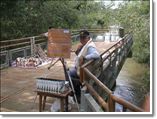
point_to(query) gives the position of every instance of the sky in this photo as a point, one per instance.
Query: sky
(116, 3)
(108, 2)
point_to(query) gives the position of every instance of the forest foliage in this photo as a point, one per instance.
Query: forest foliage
(22, 18)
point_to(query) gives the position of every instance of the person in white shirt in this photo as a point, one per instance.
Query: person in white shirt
(85, 52)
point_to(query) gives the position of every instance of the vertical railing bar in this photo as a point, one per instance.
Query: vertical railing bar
(111, 104)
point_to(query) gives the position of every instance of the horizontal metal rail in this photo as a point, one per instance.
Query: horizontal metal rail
(19, 44)
(16, 44)
(12, 45)
(21, 39)
(74, 33)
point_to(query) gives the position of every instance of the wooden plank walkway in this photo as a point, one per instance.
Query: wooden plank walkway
(18, 84)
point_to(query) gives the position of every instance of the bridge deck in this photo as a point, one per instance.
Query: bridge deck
(103, 46)
(18, 84)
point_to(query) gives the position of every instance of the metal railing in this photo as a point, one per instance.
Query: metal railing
(11, 49)
(16, 43)
(23, 46)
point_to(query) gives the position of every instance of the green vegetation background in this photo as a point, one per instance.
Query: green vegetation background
(22, 18)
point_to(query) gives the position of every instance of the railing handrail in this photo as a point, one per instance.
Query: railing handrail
(112, 97)
(105, 88)
(12, 45)
(89, 62)
(119, 100)
(126, 104)
(7, 44)
(115, 44)
(20, 39)
(103, 104)
(73, 32)
(21, 43)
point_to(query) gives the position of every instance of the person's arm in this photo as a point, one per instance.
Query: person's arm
(80, 46)
(92, 53)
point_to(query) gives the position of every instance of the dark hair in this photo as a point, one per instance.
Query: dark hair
(50, 27)
(84, 34)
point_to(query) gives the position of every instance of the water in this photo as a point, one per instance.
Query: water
(130, 84)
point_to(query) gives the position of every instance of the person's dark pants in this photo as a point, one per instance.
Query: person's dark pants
(76, 82)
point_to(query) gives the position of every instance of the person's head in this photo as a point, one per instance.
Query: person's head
(50, 27)
(84, 37)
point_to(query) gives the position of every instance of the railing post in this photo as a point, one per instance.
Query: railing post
(81, 74)
(114, 63)
(32, 40)
(111, 104)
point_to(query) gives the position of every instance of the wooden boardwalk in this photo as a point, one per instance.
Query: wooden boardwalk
(18, 84)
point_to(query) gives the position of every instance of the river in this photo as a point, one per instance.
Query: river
(130, 84)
